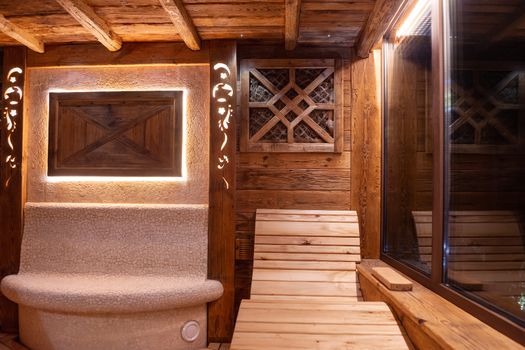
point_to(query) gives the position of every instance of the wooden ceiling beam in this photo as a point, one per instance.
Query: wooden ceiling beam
(292, 13)
(183, 22)
(20, 35)
(86, 16)
(377, 24)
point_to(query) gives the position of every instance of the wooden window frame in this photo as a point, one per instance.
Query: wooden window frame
(436, 281)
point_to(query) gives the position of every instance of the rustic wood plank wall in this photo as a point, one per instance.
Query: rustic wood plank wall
(315, 180)
(11, 180)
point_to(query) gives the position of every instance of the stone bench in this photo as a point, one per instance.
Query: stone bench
(103, 276)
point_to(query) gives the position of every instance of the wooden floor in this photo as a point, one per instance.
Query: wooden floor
(268, 325)
(9, 342)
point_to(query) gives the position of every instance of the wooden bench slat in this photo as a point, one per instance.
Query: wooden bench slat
(306, 218)
(334, 289)
(329, 229)
(301, 265)
(299, 240)
(302, 248)
(304, 275)
(307, 257)
(315, 315)
(309, 298)
(307, 212)
(299, 305)
(295, 328)
(279, 341)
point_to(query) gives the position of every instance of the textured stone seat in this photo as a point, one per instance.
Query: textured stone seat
(91, 272)
(102, 293)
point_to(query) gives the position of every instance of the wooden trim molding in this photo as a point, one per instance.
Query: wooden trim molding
(86, 16)
(292, 15)
(378, 23)
(20, 35)
(221, 233)
(183, 22)
(11, 176)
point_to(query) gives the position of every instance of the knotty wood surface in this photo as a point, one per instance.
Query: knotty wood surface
(320, 22)
(366, 150)
(305, 324)
(306, 255)
(391, 279)
(431, 321)
(315, 181)
(289, 181)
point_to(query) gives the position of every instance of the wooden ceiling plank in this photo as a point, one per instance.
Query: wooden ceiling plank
(183, 22)
(292, 13)
(86, 16)
(20, 35)
(377, 24)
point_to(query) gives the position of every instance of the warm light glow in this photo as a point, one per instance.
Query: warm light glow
(221, 92)
(13, 97)
(55, 179)
(411, 22)
(184, 170)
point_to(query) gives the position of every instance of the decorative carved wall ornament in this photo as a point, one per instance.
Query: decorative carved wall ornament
(13, 97)
(222, 92)
(291, 106)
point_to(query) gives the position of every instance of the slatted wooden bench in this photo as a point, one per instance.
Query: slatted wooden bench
(305, 292)
(487, 251)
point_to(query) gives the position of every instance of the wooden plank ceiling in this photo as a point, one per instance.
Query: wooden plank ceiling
(321, 22)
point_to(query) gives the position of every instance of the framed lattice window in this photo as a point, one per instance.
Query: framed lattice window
(292, 105)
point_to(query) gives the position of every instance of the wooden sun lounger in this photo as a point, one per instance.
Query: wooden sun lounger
(305, 292)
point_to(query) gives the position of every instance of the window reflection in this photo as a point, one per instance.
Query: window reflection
(485, 115)
(407, 214)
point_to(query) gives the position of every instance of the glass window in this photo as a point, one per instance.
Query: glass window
(407, 195)
(485, 117)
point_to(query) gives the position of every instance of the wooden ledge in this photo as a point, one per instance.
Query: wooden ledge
(431, 321)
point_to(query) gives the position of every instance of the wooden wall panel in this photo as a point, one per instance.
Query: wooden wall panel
(137, 133)
(366, 150)
(221, 233)
(290, 180)
(11, 179)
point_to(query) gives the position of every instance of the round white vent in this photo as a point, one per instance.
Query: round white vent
(190, 331)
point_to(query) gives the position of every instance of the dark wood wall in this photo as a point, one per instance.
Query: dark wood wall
(314, 180)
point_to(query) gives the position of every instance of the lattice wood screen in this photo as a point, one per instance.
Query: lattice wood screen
(486, 111)
(291, 106)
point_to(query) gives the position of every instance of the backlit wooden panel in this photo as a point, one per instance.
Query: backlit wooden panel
(115, 134)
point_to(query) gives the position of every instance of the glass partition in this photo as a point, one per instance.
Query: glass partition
(408, 143)
(485, 171)
(454, 153)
